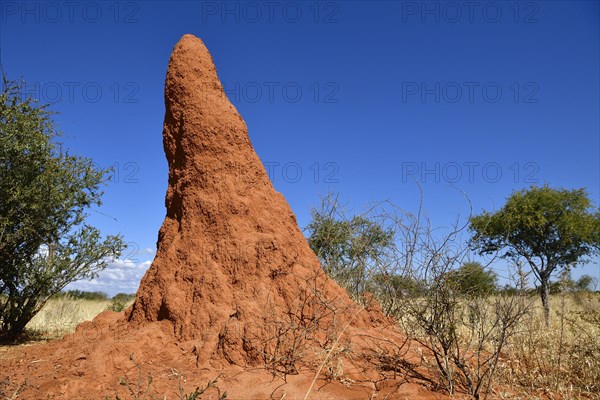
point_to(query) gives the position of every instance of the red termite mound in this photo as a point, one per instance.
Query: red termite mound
(234, 283)
(230, 244)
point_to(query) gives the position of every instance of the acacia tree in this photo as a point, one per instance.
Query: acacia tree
(552, 229)
(45, 242)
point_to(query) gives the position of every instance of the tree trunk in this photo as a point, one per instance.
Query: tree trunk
(545, 293)
(15, 318)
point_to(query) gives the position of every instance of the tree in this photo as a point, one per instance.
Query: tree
(392, 288)
(349, 249)
(552, 229)
(473, 279)
(45, 242)
(585, 283)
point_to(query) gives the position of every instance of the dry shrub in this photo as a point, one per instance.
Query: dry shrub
(306, 334)
(462, 339)
(141, 386)
(391, 360)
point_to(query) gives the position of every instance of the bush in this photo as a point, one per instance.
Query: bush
(472, 279)
(119, 301)
(351, 250)
(124, 297)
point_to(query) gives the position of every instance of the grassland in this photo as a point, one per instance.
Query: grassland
(562, 360)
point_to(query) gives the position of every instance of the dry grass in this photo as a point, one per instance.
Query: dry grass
(564, 359)
(536, 362)
(60, 316)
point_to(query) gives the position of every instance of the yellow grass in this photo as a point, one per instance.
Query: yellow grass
(60, 316)
(563, 359)
(537, 362)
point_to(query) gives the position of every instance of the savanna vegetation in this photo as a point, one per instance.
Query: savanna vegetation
(532, 334)
(475, 335)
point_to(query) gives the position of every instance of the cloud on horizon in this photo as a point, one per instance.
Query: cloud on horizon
(120, 276)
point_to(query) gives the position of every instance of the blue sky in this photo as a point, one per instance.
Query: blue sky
(358, 97)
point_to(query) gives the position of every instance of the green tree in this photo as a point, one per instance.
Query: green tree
(45, 242)
(561, 286)
(391, 289)
(399, 285)
(585, 283)
(349, 249)
(473, 279)
(552, 229)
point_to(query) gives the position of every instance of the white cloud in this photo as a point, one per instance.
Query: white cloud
(120, 276)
